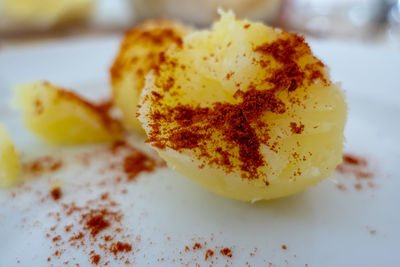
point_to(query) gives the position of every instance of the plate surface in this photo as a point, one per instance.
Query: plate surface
(164, 214)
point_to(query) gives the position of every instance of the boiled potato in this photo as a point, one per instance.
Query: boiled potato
(10, 165)
(245, 110)
(139, 53)
(61, 117)
(43, 14)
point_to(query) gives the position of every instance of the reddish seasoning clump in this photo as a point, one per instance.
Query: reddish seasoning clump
(287, 51)
(197, 246)
(119, 247)
(358, 167)
(117, 145)
(56, 193)
(56, 238)
(95, 259)
(209, 254)
(358, 186)
(354, 160)
(77, 237)
(372, 232)
(235, 121)
(136, 163)
(284, 247)
(296, 129)
(41, 165)
(355, 165)
(96, 221)
(226, 252)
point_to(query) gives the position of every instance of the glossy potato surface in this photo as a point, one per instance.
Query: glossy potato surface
(245, 110)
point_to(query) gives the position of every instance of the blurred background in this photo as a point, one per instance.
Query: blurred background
(24, 21)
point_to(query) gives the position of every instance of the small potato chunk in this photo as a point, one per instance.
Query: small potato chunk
(139, 53)
(61, 117)
(245, 110)
(10, 166)
(43, 14)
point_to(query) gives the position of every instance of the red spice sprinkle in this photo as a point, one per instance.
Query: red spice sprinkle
(56, 238)
(119, 247)
(162, 36)
(95, 259)
(233, 121)
(287, 51)
(56, 193)
(296, 129)
(104, 196)
(76, 237)
(364, 175)
(136, 163)
(187, 248)
(117, 145)
(359, 168)
(108, 238)
(209, 254)
(284, 247)
(358, 186)
(41, 165)
(354, 160)
(226, 252)
(238, 126)
(371, 185)
(197, 246)
(97, 222)
(341, 187)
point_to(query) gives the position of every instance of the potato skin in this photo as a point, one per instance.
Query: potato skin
(140, 52)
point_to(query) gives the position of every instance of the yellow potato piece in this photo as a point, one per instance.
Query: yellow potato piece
(139, 53)
(245, 110)
(46, 13)
(10, 165)
(61, 117)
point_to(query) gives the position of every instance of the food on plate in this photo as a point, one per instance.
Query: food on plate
(245, 110)
(61, 117)
(10, 166)
(139, 53)
(43, 14)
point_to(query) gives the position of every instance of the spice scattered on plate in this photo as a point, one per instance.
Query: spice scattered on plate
(358, 167)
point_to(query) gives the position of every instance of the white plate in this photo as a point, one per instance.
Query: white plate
(323, 226)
